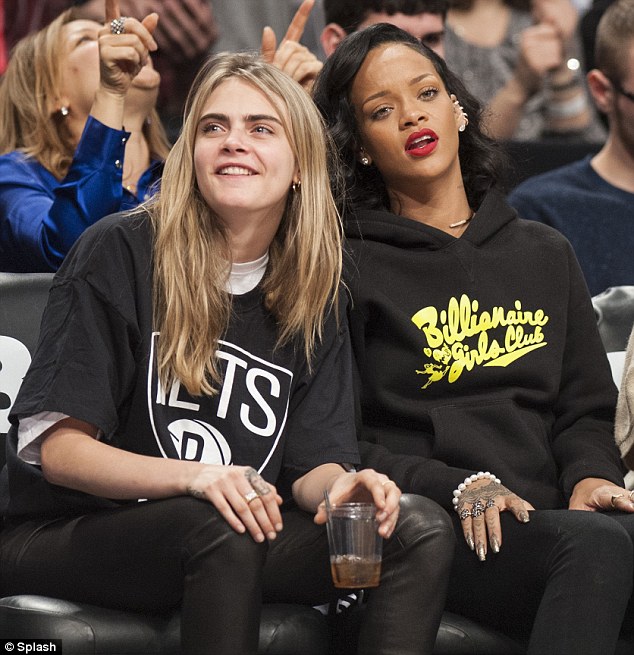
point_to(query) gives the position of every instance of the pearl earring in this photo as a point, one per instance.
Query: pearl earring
(64, 111)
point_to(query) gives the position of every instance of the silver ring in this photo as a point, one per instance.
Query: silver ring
(478, 509)
(614, 498)
(465, 514)
(117, 25)
(490, 503)
(252, 495)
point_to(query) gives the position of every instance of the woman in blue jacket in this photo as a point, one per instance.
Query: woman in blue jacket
(80, 135)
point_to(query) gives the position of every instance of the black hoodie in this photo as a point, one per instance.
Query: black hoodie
(478, 354)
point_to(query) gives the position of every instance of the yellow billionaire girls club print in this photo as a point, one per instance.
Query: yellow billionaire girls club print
(462, 337)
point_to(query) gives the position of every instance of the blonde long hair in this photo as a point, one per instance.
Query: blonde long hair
(28, 90)
(192, 309)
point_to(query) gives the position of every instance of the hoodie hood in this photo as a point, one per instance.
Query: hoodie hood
(387, 228)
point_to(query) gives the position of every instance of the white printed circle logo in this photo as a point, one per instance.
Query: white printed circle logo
(200, 442)
(9, 646)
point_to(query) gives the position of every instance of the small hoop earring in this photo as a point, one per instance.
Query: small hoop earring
(64, 111)
(296, 186)
(462, 128)
(365, 161)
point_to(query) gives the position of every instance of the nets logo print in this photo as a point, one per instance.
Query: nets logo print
(248, 412)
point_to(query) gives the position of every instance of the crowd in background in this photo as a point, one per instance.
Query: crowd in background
(109, 114)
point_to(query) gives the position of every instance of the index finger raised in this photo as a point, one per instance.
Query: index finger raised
(296, 28)
(269, 45)
(112, 10)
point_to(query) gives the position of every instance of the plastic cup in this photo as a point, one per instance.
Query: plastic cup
(356, 548)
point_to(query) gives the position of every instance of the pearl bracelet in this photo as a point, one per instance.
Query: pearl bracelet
(467, 481)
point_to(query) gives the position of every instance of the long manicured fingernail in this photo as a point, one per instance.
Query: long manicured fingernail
(524, 518)
(495, 545)
(470, 542)
(481, 554)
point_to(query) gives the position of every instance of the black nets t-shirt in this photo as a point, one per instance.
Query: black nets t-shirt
(96, 362)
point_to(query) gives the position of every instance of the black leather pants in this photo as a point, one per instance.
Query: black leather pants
(561, 583)
(180, 551)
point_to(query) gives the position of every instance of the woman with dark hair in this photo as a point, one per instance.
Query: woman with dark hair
(482, 380)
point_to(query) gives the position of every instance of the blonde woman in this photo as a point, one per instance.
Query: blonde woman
(195, 356)
(80, 135)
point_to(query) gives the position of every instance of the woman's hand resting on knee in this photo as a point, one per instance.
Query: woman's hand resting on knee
(479, 507)
(243, 497)
(596, 494)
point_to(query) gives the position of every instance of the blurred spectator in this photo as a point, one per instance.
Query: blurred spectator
(240, 23)
(588, 29)
(66, 159)
(592, 201)
(424, 19)
(523, 60)
(185, 34)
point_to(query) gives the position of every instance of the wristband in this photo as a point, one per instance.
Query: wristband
(471, 479)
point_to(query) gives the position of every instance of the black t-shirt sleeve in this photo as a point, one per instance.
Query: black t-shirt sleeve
(321, 418)
(84, 365)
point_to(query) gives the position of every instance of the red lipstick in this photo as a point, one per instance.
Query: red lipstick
(422, 143)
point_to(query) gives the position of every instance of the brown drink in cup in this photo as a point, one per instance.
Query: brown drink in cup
(355, 545)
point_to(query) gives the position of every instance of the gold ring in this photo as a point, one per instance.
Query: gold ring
(614, 498)
(252, 495)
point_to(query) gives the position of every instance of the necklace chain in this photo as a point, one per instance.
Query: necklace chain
(464, 221)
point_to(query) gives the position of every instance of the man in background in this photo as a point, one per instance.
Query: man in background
(424, 19)
(591, 201)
